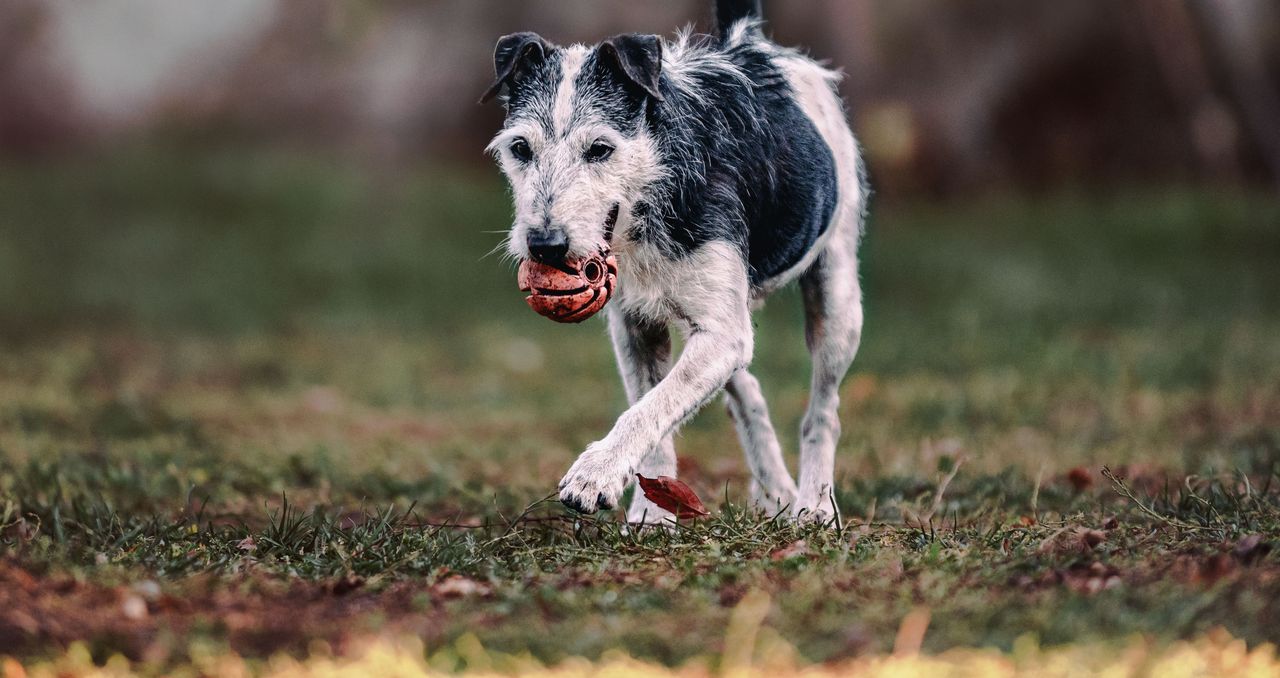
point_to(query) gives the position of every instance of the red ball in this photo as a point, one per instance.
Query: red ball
(572, 291)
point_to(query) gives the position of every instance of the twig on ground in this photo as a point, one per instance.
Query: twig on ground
(1123, 490)
(942, 489)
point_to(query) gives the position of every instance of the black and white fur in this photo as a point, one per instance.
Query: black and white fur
(719, 168)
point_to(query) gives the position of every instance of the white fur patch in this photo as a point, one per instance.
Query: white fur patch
(682, 58)
(570, 66)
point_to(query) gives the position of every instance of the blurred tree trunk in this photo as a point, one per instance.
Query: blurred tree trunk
(1236, 27)
(37, 111)
(1180, 54)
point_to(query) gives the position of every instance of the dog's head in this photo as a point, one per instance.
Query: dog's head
(575, 146)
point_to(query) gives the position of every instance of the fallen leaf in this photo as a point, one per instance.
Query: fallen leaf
(672, 495)
(1214, 568)
(1080, 478)
(792, 550)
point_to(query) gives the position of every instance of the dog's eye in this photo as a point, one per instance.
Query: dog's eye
(599, 152)
(520, 149)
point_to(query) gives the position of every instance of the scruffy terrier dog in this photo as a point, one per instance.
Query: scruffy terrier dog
(717, 169)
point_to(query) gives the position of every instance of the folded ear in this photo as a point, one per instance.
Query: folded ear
(514, 53)
(638, 57)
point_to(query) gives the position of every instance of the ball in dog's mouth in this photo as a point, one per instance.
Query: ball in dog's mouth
(571, 291)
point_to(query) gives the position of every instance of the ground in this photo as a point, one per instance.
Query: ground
(256, 401)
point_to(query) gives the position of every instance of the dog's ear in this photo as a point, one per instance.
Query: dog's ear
(514, 53)
(638, 57)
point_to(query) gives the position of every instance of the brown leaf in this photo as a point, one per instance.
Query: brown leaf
(1080, 478)
(792, 550)
(672, 495)
(1214, 568)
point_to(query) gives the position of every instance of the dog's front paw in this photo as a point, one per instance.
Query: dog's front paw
(596, 480)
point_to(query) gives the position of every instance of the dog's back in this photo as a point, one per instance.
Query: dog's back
(765, 157)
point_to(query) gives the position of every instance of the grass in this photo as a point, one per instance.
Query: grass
(258, 400)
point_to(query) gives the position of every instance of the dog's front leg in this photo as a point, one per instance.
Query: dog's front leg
(643, 350)
(596, 480)
(719, 343)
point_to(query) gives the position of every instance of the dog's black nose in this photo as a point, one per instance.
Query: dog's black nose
(548, 245)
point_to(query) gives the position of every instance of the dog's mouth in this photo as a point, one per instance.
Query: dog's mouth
(610, 221)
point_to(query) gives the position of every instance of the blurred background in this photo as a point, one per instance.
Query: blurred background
(948, 97)
(1057, 185)
(952, 101)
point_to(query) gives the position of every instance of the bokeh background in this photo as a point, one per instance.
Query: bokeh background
(211, 104)
(948, 96)
(1057, 185)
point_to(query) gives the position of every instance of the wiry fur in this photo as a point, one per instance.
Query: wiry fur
(732, 172)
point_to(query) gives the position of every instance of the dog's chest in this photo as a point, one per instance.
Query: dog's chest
(691, 290)
(650, 285)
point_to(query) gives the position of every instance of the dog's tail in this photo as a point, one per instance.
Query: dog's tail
(730, 12)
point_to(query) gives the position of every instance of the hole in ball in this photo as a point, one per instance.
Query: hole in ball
(592, 271)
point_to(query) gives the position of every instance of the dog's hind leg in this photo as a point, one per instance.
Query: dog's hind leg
(772, 488)
(833, 330)
(643, 351)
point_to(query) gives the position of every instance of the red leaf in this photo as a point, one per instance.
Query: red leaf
(1080, 478)
(672, 495)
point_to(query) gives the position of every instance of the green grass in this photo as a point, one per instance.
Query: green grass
(296, 394)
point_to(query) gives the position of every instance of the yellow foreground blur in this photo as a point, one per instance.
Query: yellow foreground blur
(1215, 654)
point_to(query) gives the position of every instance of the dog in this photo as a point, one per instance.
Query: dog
(718, 169)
